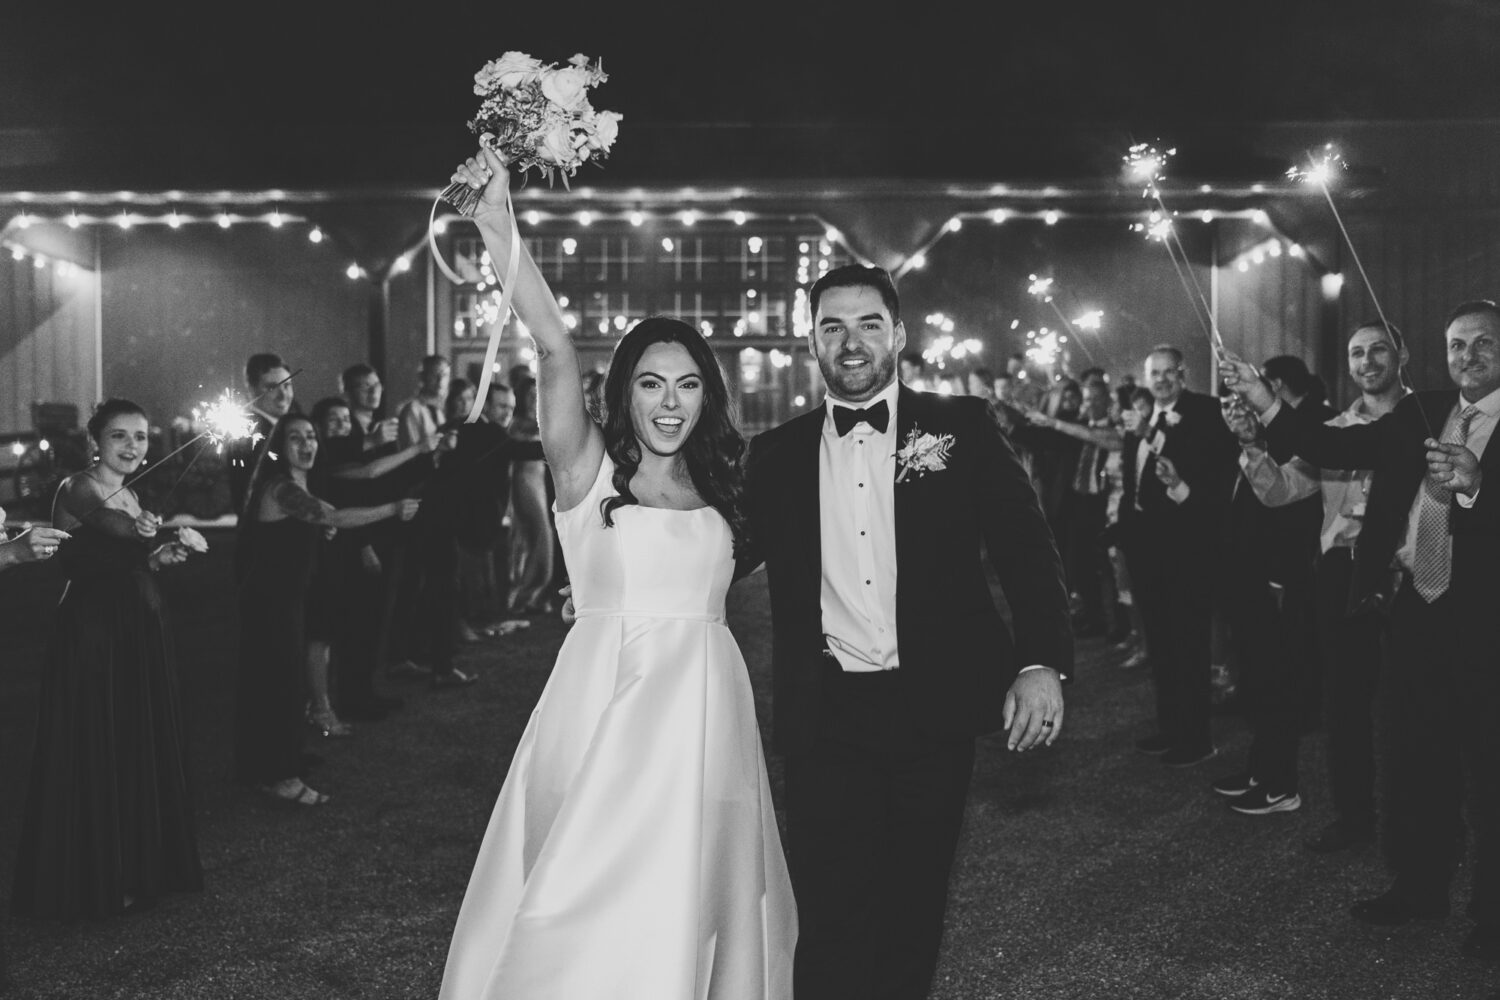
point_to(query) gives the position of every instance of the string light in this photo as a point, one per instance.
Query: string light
(315, 235)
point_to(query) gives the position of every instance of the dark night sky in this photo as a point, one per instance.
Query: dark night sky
(169, 92)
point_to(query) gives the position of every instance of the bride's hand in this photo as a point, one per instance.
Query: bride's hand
(486, 170)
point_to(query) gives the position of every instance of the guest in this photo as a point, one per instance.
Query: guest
(1084, 507)
(271, 398)
(33, 544)
(914, 371)
(483, 456)
(1054, 458)
(1135, 421)
(1267, 577)
(532, 536)
(1184, 469)
(404, 557)
(279, 535)
(108, 822)
(1430, 520)
(422, 415)
(1296, 386)
(363, 391)
(347, 590)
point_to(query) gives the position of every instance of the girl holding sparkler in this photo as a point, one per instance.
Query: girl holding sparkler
(279, 539)
(108, 823)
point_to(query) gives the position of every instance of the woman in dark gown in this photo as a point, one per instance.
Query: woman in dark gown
(108, 822)
(278, 540)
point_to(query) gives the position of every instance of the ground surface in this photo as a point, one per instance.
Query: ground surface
(1087, 871)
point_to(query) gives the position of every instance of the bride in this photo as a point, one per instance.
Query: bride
(633, 852)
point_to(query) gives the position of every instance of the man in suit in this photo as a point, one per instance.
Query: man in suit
(1178, 494)
(1268, 599)
(1428, 553)
(889, 656)
(271, 398)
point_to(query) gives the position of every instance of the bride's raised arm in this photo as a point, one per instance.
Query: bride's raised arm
(571, 440)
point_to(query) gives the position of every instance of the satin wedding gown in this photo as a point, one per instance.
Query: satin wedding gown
(633, 853)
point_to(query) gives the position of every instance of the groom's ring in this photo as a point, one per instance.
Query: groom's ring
(1047, 724)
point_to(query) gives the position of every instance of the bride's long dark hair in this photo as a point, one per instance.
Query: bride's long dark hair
(713, 448)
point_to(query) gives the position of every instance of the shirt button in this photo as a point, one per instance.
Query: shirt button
(861, 534)
(861, 485)
(867, 583)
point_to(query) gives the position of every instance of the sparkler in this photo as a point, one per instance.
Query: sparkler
(1147, 165)
(1042, 288)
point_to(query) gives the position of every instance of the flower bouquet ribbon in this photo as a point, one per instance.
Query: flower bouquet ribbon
(536, 116)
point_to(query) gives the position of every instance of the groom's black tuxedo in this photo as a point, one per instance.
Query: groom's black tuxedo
(957, 655)
(878, 763)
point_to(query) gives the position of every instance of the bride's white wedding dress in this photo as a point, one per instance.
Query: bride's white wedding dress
(633, 852)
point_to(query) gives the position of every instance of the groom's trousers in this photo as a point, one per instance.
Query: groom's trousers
(873, 816)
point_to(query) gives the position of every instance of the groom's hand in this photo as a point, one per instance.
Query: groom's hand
(1033, 709)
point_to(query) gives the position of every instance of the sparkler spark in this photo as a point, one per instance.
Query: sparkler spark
(1041, 288)
(1146, 165)
(1157, 227)
(1320, 169)
(224, 419)
(1090, 320)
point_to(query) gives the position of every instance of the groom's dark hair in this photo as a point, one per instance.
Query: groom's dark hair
(858, 276)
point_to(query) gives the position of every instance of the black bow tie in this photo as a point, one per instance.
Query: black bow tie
(845, 417)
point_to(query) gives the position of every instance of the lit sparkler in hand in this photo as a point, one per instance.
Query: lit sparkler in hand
(1146, 165)
(1320, 170)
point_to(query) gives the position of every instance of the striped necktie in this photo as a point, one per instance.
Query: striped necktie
(1432, 561)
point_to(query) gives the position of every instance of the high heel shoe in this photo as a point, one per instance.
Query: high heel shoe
(328, 724)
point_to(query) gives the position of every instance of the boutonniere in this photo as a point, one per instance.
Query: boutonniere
(1173, 418)
(923, 453)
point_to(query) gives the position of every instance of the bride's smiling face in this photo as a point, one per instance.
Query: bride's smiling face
(666, 398)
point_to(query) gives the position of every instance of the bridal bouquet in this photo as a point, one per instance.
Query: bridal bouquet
(537, 116)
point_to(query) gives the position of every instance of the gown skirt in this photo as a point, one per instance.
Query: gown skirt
(633, 853)
(109, 807)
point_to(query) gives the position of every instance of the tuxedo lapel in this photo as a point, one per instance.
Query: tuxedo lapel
(803, 484)
(910, 410)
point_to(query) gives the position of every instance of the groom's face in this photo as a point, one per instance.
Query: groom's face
(855, 342)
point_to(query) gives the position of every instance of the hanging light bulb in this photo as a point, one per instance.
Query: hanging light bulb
(315, 235)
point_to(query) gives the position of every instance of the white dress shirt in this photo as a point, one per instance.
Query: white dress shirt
(857, 525)
(857, 521)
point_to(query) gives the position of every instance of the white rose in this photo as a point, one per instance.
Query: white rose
(579, 59)
(565, 87)
(606, 128)
(556, 146)
(509, 71)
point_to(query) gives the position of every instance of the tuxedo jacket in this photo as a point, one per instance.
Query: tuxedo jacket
(957, 654)
(1392, 447)
(1204, 453)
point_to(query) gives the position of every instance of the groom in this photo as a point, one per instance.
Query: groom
(889, 656)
